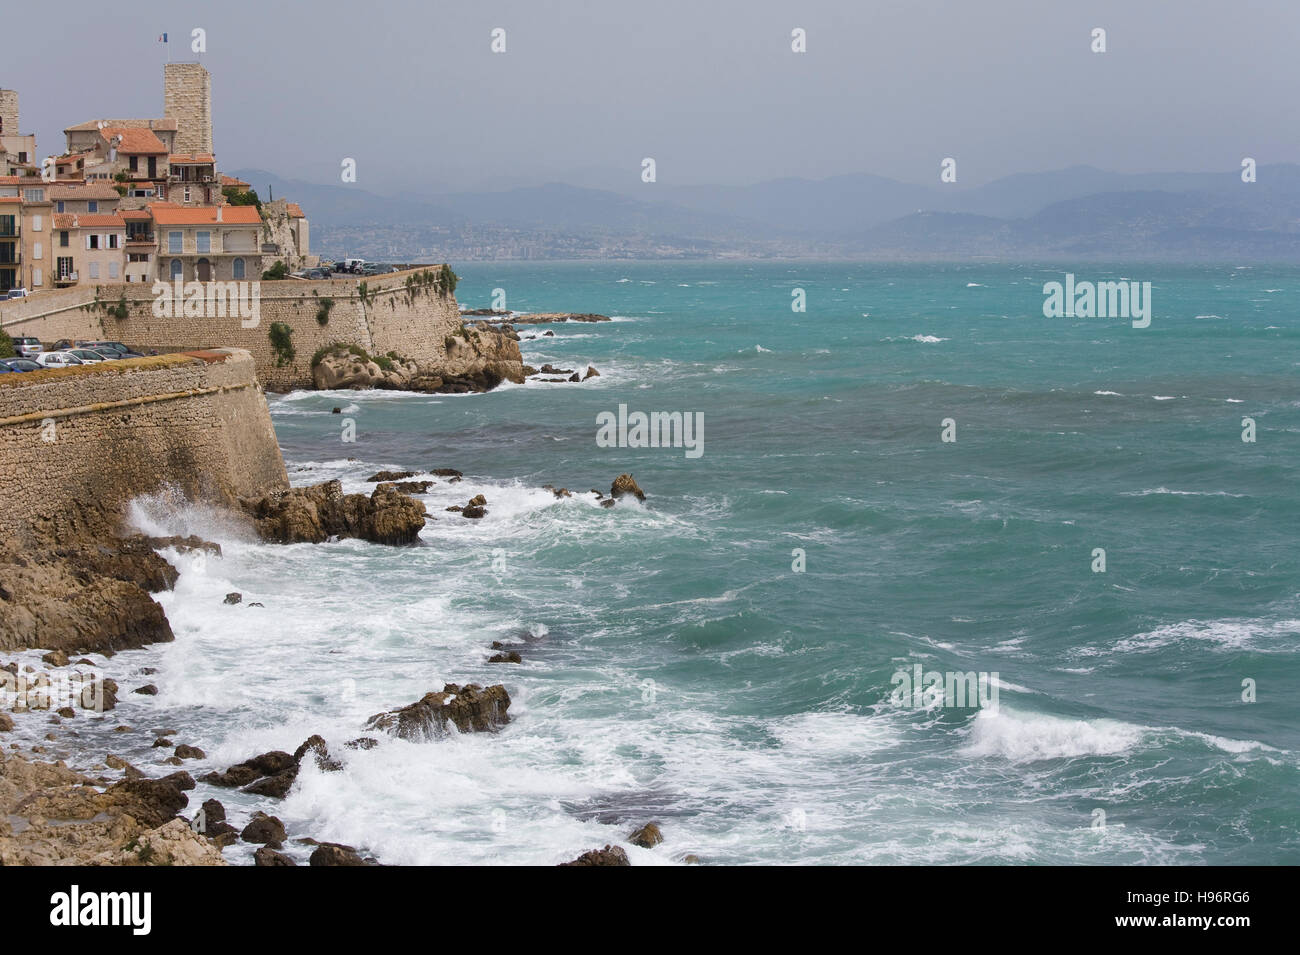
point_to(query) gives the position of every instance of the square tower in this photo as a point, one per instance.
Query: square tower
(187, 98)
(8, 112)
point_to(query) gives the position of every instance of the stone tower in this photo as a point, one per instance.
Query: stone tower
(8, 112)
(187, 98)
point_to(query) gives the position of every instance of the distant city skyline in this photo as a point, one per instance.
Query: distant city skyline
(585, 91)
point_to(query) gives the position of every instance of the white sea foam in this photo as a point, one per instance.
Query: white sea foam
(1026, 738)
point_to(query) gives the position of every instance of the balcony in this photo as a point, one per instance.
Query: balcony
(66, 278)
(10, 231)
(189, 176)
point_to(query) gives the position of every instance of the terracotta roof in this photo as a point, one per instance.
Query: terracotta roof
(295, 211)
(183, 159)
(93, 124)
(11, 180)
(11, 199)
(66, 160)
(81, 190)
(101, 221)
(165, 213)
(135, 214)
(63, 220)
(232, 181)
(134, 141)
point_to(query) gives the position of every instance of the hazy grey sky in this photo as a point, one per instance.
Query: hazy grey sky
(711, 90)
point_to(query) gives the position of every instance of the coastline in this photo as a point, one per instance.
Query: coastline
(70, 794)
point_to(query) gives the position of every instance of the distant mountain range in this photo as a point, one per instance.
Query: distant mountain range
(1075, 213)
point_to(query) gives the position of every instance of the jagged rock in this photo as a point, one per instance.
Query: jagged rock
(470, 709)
(607, 502)
(55, 658)
(362, 742)
(473, 511)
(275, 787)
(647, 836)
(232, 599)
(331, 853)
(478, 500)
(625, 484)
(314, 514)
(189, 752)
(610, 855)
(548, 334)
(147, 690)
(88, 598)
(575, 377)
(266, 856)
(591, 373)
(181, 780)
(446, 472)
(511, 656)
(185, 545)
(317, 747)
(457, 508)
(267, 830)
(336, 410)
(241, 774)
(152, 802)
(408, 487)
(389, 476)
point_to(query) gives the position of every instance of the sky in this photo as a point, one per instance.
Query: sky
(710, 89)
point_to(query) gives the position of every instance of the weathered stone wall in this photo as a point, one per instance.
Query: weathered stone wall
(78, 444)
(187, 98)
(413, 320)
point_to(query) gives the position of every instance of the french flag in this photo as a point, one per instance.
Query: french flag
(162, 38)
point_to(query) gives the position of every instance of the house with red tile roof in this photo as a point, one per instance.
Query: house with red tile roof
(208, 243)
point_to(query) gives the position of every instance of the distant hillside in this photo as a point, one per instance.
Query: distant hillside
(1080, 212)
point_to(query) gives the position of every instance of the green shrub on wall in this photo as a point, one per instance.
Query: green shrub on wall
(281, 336)
(275, 272)
(323, 312)
(6, 346)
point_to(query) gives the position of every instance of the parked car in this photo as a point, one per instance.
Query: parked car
(63, 344)
(319, 273)
(121, 350)
(6, 370)
(88, 356)
(22, 364)
(58, 359)
(27, 347)
(16, 293)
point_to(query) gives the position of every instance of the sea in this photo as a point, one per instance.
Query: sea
(917, 473)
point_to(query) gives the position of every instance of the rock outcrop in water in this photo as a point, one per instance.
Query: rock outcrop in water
(610, 855)
(91, 596)
(473, 359)
(316, 514)
(471, 709)
(626, 484)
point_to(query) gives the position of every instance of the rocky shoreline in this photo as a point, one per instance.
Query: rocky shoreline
(86, 590)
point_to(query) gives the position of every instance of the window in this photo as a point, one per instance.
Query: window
(176, 268)
(94, 270)
(187, 193)
(59, 206)
(135, 163)
(114, 241)
(112, 270)
(34, 195)
(238, 266)
(37, 223)
(63, 239)
(92, 242)
(137, 257)
(174, 242)
(37, 277)
(205, 241)
(65, 266)
(36, 250)
(92, 206)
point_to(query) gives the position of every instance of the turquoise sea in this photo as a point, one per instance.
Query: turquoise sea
(677, 668)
